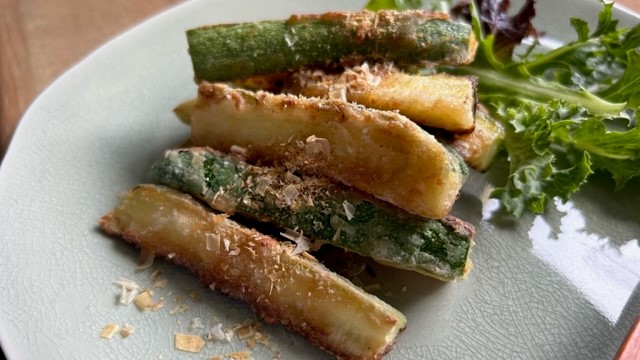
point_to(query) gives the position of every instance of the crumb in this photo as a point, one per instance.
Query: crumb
(179, 309)
(108, 331)
(144, 300)
(245, 331)
(239, 355)
(126, 330)
(189, 343)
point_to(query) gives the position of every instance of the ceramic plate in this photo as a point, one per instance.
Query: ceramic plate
(563, 285)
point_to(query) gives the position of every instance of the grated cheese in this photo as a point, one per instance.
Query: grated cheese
(290, 193)
(212, 241)
(216, 333)
(146, 259)
(189, 343)
(108, 331)
(245, 331)
(349, 209)
(302, 243)
(126, 330)
(127, 284)
(144, 300)
(240, 355)
(316, 145)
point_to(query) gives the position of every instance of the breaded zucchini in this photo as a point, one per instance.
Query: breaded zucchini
(237, 51)
(322, 211)
(379, 152)
(282, 287)
(479, 147)
(441, 101)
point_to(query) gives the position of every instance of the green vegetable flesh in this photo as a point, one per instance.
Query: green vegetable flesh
(237, 51)
(323, 211)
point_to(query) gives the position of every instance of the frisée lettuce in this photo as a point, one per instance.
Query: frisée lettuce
(568, 111)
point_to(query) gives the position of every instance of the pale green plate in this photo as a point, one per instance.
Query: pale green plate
(560, 286)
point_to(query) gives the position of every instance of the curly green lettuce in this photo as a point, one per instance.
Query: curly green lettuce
(568, 111)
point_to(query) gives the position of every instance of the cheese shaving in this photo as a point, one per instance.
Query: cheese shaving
(316, 145)
(108, 331)
(126, 330)
(239, 355)
(216, 333)
(349, 209)
(290, 193)
(302, 243)
(144, 300)
(189, 343)
(128, 290)
(263, 183)
(245, 332)
(212, 241)
(146, 259)
(127, 284)
(338, 93)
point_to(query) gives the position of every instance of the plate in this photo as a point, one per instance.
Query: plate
(563, 285)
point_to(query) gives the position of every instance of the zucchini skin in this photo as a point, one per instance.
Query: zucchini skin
(322, 211)
(236, 51)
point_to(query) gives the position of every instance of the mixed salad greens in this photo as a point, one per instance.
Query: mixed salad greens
(568, 112)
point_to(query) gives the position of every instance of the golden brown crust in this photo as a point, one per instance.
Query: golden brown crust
(440, 101)
(280, 286)
(379, 152)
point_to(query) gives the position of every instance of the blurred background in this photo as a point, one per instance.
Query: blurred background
(40, 39)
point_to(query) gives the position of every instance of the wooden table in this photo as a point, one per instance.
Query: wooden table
(40, 39)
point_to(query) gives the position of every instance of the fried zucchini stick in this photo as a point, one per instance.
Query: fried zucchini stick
(282, 287)
(379, 152)
(322, 211)
(236, 51)
(480, 147)
(440, 101)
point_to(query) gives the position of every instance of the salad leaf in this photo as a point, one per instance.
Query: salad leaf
(499, 29)
(560, 107)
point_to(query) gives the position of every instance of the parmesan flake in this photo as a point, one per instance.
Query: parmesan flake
(108, 331)
(126, 330)
(349, 209)
(144, 300)
(302, 243)
(146, 259)
(189, 343)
